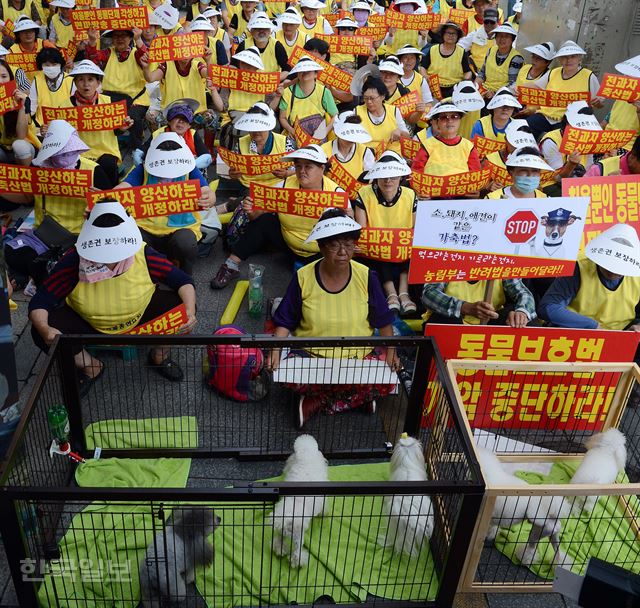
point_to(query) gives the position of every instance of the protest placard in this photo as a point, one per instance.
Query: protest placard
(623, 88)
(330, 76)
(485, 146)
(533, 96)
(7, 102)
(377, 32)
(343, 178)
(303, 138)
(425, 21)
(407, 103)
(72, 183)
(385, 244)
(434, 85)
(409, 148)
(126, 18)
(459, 16)
(458, 184)
(587, 141)
(348, 45)
(254, 164)
(292, 201)
(24, 61)
(259, 83)
(100, 117)
(176, 47)
(168, 323)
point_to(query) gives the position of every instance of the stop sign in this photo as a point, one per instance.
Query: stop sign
(521, 226)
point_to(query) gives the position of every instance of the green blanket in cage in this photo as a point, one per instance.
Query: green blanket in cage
(606, 533)
(346, 561)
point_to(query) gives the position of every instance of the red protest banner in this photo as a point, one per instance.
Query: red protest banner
(168, 323)
(333, 18)
(485, 146)
(330, 76)
(73, 183)
(385, 244)
(377, 32)
(110, 18)
(459, 16)
(533, 96)
(376, 19)
(434, 85)
(254, 164)
(409, 148)
(302, 137)
(460, 184)
(407, 103)
(426, 21)
(25, 61)
(343, 178)
(624, 88)
(7, 101)
(501, 176)
(304, 203)
(100, 117)
(348, 45)
(153, 200)
(586, 141)
(259, 83)
(176, 47)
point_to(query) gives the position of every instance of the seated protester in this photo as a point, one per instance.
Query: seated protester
(390, 73)
(347, 26)
(167, 20)
(219, 34)
(283, 231)
(51, 87)
(289, 34)
(395, 38)
(501, 108)
(478, 42)
(525, 166)
(361, 11)
(237, 28)
(169, 159)
(387, 204)
(61, 32)
(218, 54)
(14, 10)
(26, 32)
(273, 54)
(541, 57)
(102, 288)
(312, 21)
(448, 60)
(625, 164)
(195, 9)
(383, 121)
(604, 291)
(320, 49)
(335, 296)
(412, 80)
(306, 101)
(571, 77)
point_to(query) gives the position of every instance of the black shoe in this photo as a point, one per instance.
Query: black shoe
(86, 382)
(168, 369)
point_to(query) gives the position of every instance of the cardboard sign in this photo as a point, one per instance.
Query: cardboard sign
(330, 76)
(485, 146)
(586, 141)
(176, 47)
(534, 399)
(168, 323)
(459, 184)
(7, 101)
(259, 83)
(100, 117)
(459, 16)
(302, 137)
(343, 178)
(615, 199)
(333, 18)
(254, 164)
(110, 18)
(409, 148)
(434, 85)
(73, 183)
(292, 201)
(532, 96)
(25, 61)
(348, 45)
(427, 21)
(376, 32)
(385, 244)
(407, 103)
(623, 88)
(470, 240)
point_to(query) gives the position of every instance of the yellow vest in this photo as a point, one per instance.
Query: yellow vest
(577, 83)
(467, 292)
(448, 69)
(399, 215)
(445, 159)
(512, 21)
(67, 211)
(295, 229)
(355, 165)
(306, 106)
(275, 8)
(523, 79)
(299, 41)
(15, 48)
(279, 146)
(402, 37)
(498, 194)
(335, 314)
(556, 137)
(318, 27)
(49, 98)
(610, 165)
(242, 26)
(268, 55)
(623, 116)
(497, 76)
(380, 132)
(13, 14)
(478, 52)
(64, 33)
(115, 305)
(241, 101)
(488, 131)
(611, 309)
(125, 77)
(173, 86)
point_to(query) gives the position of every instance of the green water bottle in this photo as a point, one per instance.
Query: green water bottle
(58, 420)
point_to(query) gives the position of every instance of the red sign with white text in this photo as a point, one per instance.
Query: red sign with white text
(168, 323)
(385, 244)
(587, 141)
(623, 88)
(459, 184)
(292, 201)
(533, 96)
(73, 183)
(228, 77)
(330, 76)
(425, 21)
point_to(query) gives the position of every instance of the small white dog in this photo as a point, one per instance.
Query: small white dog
(292, 515)
(410, 517)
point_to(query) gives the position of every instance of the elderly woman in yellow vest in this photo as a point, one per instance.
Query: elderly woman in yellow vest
(61, 31)
(170, 160)
(624, 115)
(312, 21)
(347, 26)
(604, 291)
(26, 33)
(502, 63)
(525, 166)
(283, 231)
(14, 129)
(571, 77)
(541, 57)
(396, 38)
(501, 108)
(413, 80)
(219, 34)
(240, 19)
(214, 43)
(386, 204)
(51, 86)
(14, 10)
(335, 296)
(107, 284)
(478, 42)
(289, 34)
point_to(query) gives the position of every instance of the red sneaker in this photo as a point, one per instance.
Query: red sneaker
(307, 407)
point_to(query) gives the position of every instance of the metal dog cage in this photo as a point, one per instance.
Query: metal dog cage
(77, 534)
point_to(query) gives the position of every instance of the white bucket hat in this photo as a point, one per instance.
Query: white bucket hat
(528, 161)
(390, 164)
(546, 50)
(56, 138)
(109, 244)
(260, 117)
(305, 64)
(211, 12)
(353, 132)
(407, 49)
(580, 116)
(391, 64)
(505, 28)
(360, 6)
(517, 7)
(616, 250)
(332, 227)
(504, 98)
(260, 21)
(311, 152)
(630, 67)
(250, 56)
(467, 97)
(518, 134)
(569, 48)
(444, 106)
(169, 163)
(201, 24)
(346, 22)
(357, 82)
(63, 3)
(291, 17)
(166, 16)
(314, 4)
(85, 67)
(23, 24)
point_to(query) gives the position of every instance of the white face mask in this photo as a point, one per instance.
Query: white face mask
(52, 71)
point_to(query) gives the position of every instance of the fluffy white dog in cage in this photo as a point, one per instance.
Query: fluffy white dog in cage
(174, 554)
(410, 518)
(292, 515)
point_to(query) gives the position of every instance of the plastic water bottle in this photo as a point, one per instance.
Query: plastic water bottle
(58, 420)
(256, 294)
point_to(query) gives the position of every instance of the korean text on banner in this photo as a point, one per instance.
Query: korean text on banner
(100, 117)
(501, 176)
(7, 102)
(330, 76)
(26, 61)
(471, 240)
(385, 244)
(407, 103)
(459, 16)
(260, 83)
(532, 399)
(586, 141)
(485, 146)
(350, 45)
(409, 148)
(176, 47)
(304, 203)
(153, 200)
(168, 323)
(303, 138)
(623, 88)
(459, 184)
(254, 164)
(426, 21)
(377, 32)
(73, 183)
(344, 179)
(533, 96)
(125, 18)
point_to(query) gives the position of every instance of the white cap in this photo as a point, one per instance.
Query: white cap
(109, 244)
(260, 21)
(360, 76)
(505, 28)
(580, 115)
(518, 134)
(360, 6)
(63, 3)
(332, 227)
(390, 164)
(347, 21)
(260, 117)
(407, 49)
(391, 64)
(211, 12)
(311, 152)
(58, 134)
(467, 97)
(169, 163)
(166, 16)
(291, 16)
(353, 132)
(504, 97)
(569, 48)
(630, 67)
(314, 4)
(23, 24)
(201, 24)
(529, 161)
(85, 67)
(517, 7)
(305, 64)
(616, 250)
(546, 50)
(3, 51)
(444, 106)
(250, 56)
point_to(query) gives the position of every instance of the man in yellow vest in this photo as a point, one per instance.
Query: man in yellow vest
(604, 291)
(478, 42)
